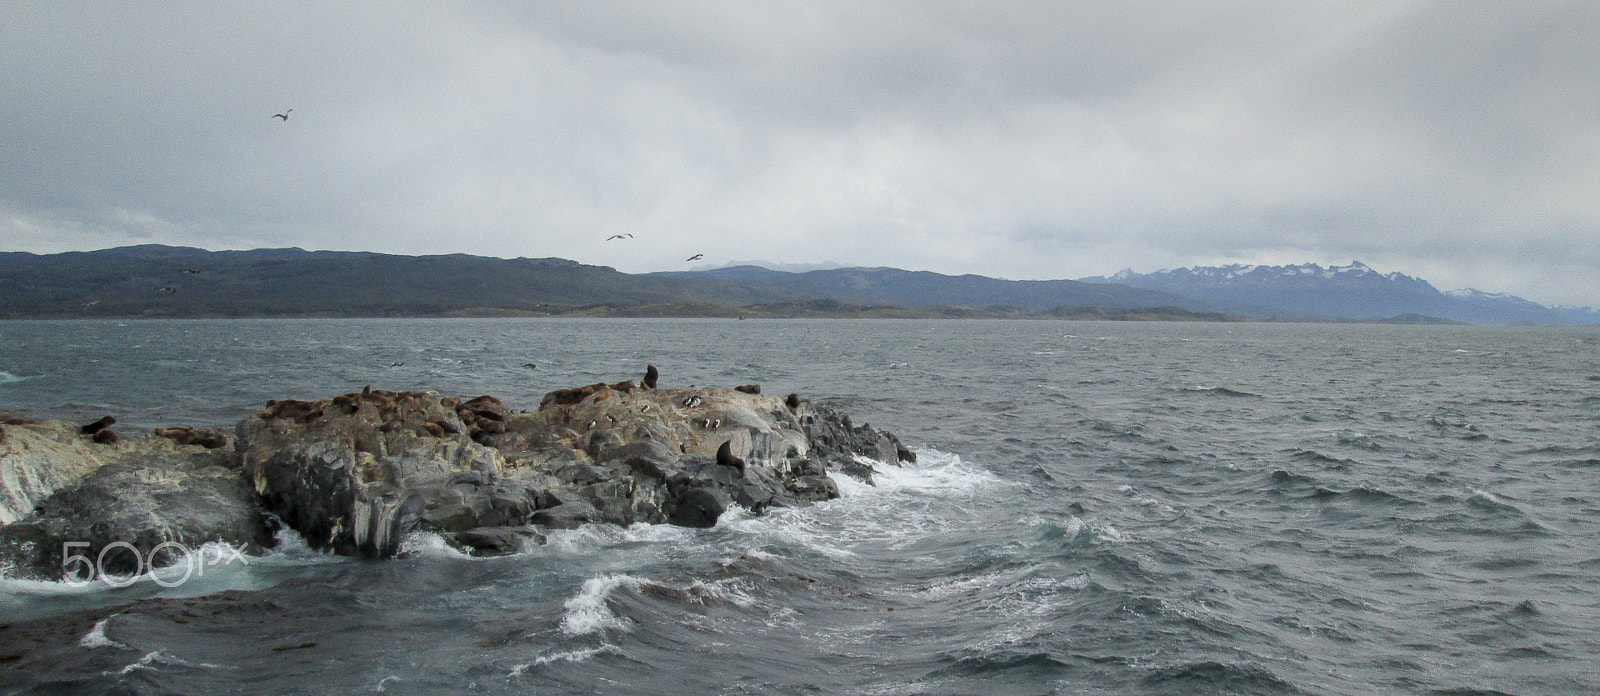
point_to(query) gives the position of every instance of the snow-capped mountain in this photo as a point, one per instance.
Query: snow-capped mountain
(1356, 292)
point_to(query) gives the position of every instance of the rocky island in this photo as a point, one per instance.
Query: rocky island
(355, 473)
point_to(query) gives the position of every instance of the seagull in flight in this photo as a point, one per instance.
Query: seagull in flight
(696, 257)
(619, 236)
(284, 115)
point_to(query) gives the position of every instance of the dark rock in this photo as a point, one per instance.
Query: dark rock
(498, 541)
(832, 434)
(854, 468)
(568, 515)
(369, 469)
(142, 499)
(320, 490)
(449, 517)
(698, 507)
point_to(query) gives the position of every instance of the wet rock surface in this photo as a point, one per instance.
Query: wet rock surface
(355, 473)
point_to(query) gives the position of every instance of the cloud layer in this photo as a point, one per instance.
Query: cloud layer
(1455, 141)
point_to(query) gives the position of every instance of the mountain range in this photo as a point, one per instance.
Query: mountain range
(164, 281)
(1353, 292)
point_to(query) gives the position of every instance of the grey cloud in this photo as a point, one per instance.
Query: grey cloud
(1024, 140)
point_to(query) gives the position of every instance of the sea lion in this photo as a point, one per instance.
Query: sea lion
(349, 402)
(725, 456)
(792, 401)
(105, 437)
(650, 376)
(210, 439)
(2, 436)
(182, 436)
(97, 426)
(624, 386)
(748, 388)
(290, 409)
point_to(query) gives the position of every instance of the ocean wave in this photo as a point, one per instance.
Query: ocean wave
(1484, 500)
(1316, 457)
(1213, 676)
(1078, 530)
(588, 538)
(431, 545)
(1035, 663)
(575, 656)
(1219, 391)
(96, 637)
(590, 612)
(8, 378)
(1361, 494)
(934, 473)
(1282, 477)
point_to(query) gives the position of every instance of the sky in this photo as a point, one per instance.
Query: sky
(1454, 141)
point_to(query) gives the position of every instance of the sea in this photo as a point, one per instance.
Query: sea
(1095, 508)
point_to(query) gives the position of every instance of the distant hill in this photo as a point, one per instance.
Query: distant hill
(1353, 292)
(927, 290)
(162, 281)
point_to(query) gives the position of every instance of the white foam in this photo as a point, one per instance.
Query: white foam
(574, 656)
(588, 612)
(96, 637)
(588, 538)
(1095, 531)
(8, 378)
(934, 473)
(430, 545)
(154, 657)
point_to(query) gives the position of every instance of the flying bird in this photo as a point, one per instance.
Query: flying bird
(696, 257)
(192, 271)
(284, 115)
(619, 236)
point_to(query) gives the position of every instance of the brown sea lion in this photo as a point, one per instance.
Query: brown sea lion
(748, 388)
(97, 426)
(725, 456)
(650, 376)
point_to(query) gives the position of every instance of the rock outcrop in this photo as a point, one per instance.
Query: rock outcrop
(36, 459)
(142, 492)
(355, 473)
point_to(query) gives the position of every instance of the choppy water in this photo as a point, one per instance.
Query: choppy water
(1111, 508)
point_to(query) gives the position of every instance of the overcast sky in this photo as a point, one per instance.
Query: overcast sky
(1454, 141)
